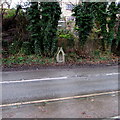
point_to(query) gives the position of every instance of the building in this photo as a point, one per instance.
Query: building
(66, 16)
(67, 6)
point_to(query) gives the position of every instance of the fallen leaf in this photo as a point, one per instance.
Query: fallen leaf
(83, 113)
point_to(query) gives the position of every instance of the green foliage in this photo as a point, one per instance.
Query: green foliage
(43, 24)
(112, 11)
(9, 13)
(50, 16)
(96, 53)
(103, 15)
(14, 31)
(65, 39)
(19, 59)
(21, 24)
(84, 21)
(100, 14)
(118, 41)
(67, 36)
(106, 16)
(15, 47)
(34, 27)
(4, 44)
(118, 35)
(26, 48)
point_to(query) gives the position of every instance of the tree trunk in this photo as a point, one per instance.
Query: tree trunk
(103, 44)
(113, 46)
(118, 49)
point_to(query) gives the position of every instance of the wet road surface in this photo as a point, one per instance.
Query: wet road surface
(56, 83)
(104, 106)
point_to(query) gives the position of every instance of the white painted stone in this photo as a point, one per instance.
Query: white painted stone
(60, 55)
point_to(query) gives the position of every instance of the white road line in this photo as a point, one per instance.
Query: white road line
(58, 99)
(113, 118)
(33, 80)
(116, 117)
(43, 79)
(112, 74)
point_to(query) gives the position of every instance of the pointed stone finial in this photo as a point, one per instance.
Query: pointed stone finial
(60, 55)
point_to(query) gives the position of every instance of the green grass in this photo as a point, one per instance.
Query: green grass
(28, 59)
(39, 60)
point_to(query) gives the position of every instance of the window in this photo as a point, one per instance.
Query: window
(71, 18)
(69, 6)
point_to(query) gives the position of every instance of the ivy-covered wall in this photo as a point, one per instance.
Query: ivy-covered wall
(102, 17)
(43, 21)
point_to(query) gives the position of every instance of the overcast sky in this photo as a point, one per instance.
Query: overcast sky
(15, 2)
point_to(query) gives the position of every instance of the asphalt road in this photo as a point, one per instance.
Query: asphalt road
(105, 106)
(31, 85)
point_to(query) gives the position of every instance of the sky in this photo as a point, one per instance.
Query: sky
(15, 2)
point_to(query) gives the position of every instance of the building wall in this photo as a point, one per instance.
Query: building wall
(66, 11)
(67, 20)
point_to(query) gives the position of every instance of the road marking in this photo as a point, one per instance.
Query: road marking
(108, 74)
(43, 79)
(58, 99)
(33, 80)
(116, 117)
(113, 118)
(112, 74)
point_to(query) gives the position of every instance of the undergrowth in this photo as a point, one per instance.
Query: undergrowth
(71, 58)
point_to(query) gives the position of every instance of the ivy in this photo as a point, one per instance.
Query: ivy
(34, 27)
(43, 19)
(112, 14)
(100, 14)
(84, 21)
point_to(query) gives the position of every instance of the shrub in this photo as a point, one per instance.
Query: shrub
(26, 48)
(14, 48)
(65, 39)
(9, 13)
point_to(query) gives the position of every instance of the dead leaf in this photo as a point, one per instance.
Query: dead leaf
(83, 113)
